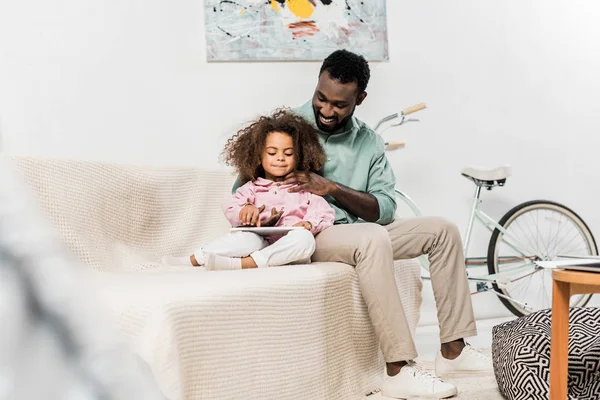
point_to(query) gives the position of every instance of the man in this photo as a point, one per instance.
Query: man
(358, 182)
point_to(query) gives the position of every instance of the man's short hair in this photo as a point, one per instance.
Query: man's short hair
(346, 67)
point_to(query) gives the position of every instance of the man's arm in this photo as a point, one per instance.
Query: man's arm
(377, 204)
(363, 205)
(382, 185)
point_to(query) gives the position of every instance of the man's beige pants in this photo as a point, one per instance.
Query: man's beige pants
(372, 249)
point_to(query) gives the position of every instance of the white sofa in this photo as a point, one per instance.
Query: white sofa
(294, 332)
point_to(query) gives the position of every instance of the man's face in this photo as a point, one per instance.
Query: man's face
(335, 102)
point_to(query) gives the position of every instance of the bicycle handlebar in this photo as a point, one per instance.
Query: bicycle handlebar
(402, 114)
(390, 146)
(413, 109)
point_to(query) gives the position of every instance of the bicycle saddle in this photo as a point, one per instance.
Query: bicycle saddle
(487, 177)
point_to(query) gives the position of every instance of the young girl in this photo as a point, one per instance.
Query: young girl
(263, 154)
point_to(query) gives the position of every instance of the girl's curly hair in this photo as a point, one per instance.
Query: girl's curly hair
(244, 150)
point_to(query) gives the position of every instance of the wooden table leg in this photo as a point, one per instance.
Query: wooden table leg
(559, 351)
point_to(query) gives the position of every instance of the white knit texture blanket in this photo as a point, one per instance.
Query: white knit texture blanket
(294, 332)
(56, 341)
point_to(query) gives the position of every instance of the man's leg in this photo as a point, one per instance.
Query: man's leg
(367, 247)
(441, 240)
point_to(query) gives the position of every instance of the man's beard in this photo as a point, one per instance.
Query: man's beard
(337, 126)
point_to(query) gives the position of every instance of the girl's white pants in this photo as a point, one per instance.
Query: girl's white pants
(297, 245)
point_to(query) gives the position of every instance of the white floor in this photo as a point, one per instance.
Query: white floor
(428, 344)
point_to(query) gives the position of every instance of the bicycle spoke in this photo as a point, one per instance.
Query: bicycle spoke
(523, 281)
(556, 240)
(537, 233)
(561, 251)
(535, 247)
(551, 239)
(515, 268)
(545, 291)
(541, 248)
(522, 288)
(537, 230)
(537, 223)
(576, 251)
(558, 230)
(548, 237)
(528, 283)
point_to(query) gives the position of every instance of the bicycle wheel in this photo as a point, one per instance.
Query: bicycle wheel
(545, 229)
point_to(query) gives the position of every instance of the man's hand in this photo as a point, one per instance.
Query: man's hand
(310, 182)
(305, 224)
(249, 215)
(273, 219)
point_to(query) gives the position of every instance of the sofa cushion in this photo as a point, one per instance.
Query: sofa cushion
(299, 332)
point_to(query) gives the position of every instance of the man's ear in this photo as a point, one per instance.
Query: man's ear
(361, 98)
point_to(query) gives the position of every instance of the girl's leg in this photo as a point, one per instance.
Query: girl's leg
(295, 246)
(237, 244)
(226, 252)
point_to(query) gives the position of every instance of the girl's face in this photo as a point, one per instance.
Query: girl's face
(278, 158)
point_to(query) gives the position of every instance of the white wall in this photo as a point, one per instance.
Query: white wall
(505, 82)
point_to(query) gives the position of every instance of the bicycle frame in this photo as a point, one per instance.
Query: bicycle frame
(483, 282)
(529, 258)
(477, 214)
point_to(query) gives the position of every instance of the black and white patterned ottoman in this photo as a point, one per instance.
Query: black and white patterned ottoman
(521, 354)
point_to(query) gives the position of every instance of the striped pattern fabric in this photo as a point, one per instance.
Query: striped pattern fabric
(521, 353)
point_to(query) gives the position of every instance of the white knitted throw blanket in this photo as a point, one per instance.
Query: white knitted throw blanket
(294, 332)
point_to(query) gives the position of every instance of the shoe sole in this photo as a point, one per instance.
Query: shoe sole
(441, 395)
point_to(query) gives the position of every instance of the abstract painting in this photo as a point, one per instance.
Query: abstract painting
(247, 30)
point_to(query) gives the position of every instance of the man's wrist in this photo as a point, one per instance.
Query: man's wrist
(332, 188)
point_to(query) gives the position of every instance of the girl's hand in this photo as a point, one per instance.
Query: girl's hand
(306, 225)
(249, 215)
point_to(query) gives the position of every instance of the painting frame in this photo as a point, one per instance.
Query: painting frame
(281, 30)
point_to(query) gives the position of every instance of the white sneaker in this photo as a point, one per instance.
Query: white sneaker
(470, 363)
(412, 381)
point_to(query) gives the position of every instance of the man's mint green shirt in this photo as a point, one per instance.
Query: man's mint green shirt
(356, 159)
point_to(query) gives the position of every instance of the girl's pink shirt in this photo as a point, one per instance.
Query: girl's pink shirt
(297, 207)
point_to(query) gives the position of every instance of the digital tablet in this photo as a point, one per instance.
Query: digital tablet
(266, 230)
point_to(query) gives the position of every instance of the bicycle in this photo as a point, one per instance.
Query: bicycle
(514, 250)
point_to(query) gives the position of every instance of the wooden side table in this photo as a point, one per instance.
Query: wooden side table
(564, 285)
